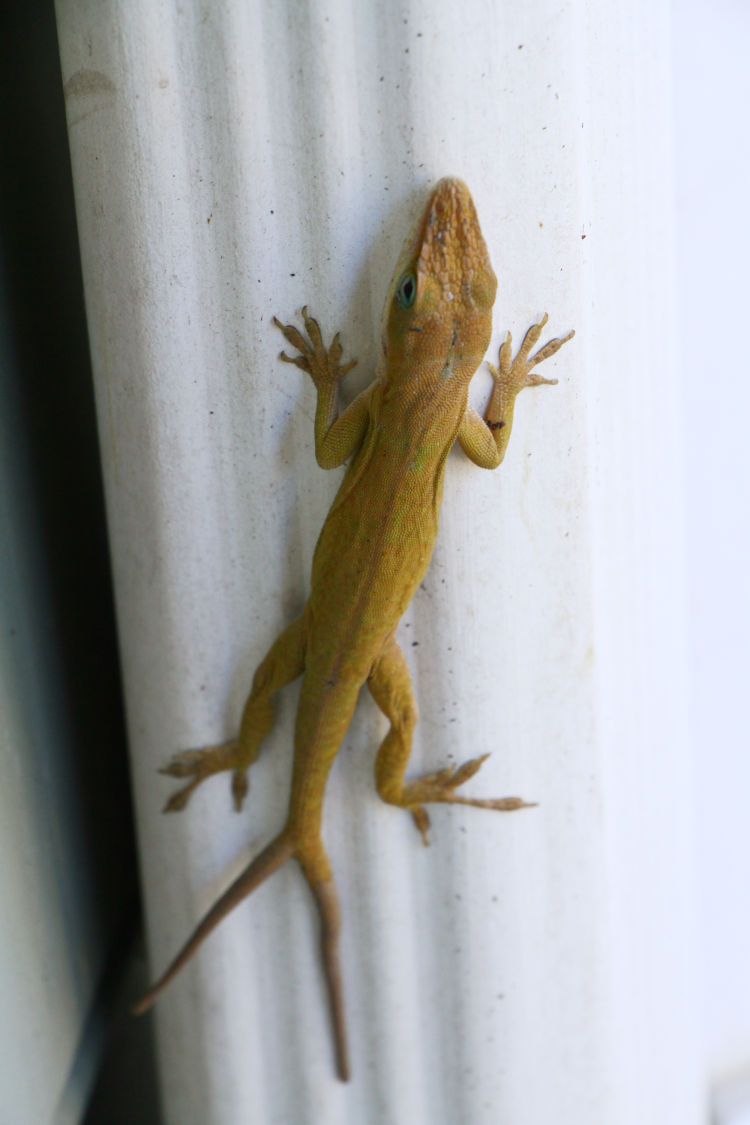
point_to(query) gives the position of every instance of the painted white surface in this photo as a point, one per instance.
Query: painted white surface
(713, 166)
(730, 1103)
(235, 162)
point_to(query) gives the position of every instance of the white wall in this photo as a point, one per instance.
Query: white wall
(712, 95)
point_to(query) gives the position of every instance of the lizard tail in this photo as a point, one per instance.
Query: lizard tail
(327, 902)
(257, 871)
(314, 864)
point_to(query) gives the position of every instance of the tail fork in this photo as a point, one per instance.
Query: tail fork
(258, 870)
(317, 873)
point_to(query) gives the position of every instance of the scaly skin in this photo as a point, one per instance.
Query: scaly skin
(373, 551)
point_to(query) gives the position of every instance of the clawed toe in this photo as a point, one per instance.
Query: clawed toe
(512, 375)
(421, 818)
(200, 764)
(183, 764)
(550, 348)
(322, 363)
(440, 787)
(178, 800)
(239, 788)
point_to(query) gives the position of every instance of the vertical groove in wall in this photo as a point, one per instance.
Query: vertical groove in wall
(232, 163)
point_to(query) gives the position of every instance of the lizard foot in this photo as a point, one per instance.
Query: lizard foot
(441, 785)
(200, 764)
(318, 361)
(512, 375)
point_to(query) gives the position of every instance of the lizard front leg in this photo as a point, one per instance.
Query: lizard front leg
(485, 440)
(390, 685)
(337, 436)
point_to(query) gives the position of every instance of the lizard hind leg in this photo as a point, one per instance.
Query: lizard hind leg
(391, 688)
(284, 661)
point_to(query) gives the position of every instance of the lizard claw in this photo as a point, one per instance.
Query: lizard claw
(321, 363)
(512, 375)
(200, 764)
(421, 818)
(441, 787)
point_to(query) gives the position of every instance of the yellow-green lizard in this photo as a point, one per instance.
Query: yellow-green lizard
(373, 551)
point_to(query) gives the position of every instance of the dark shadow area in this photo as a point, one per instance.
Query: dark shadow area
(126, 1088)
(46, 324)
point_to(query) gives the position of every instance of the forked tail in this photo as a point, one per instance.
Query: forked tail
(258, 870)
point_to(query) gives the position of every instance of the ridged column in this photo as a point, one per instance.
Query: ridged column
(233, 162)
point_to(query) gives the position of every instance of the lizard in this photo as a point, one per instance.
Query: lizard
(372, 553)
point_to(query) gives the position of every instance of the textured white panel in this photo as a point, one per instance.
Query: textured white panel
(237, 161)
(714, 247)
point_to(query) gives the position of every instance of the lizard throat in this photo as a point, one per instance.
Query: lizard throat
(447, 371)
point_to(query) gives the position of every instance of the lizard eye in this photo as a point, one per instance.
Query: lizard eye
(406, 290)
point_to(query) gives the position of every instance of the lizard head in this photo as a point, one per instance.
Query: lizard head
(437, 320)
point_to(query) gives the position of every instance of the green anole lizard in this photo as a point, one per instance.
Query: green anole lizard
(372, 553)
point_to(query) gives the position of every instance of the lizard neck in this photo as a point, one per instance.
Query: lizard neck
(425, 408)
